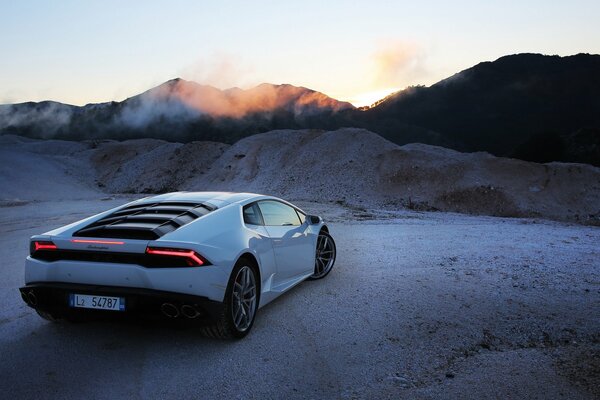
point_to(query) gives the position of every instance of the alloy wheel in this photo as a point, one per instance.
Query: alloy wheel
(244, 299)
(325, 256)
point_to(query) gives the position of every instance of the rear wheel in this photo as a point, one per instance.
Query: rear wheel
(325, 255)
(241, 303)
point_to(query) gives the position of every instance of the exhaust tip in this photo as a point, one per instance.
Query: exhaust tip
(189, 311)
(25, 298)
(169, 310)
(32, 298)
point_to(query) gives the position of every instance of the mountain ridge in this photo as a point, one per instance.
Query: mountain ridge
(515, 106)
(528, 106)
(176, 110)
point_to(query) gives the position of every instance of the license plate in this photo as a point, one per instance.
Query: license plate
(97, 302)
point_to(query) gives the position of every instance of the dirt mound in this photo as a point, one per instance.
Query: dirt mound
(152, 166)
(30, 176)
(54, 169)
(479, 200)
(360, 168)
(134, 166)
(347, 166)
(303, 165)
(483, 184)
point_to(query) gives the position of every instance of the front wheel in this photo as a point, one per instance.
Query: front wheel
(241, 303)
(325, 255)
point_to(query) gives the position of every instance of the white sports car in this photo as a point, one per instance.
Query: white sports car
(211, 257)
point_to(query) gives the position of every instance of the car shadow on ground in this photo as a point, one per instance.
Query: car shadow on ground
(119, 358)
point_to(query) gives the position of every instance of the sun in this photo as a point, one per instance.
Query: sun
(367, 99)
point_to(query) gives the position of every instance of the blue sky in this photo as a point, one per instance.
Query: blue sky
(92, 51)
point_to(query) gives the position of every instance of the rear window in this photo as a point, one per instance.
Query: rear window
(252, 215)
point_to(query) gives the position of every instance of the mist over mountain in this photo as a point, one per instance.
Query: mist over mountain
(177, 110)
(528, 106)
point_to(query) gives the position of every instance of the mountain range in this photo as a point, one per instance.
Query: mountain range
(528, 106)
(176, 110)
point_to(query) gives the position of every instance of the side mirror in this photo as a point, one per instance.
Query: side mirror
(313, 219)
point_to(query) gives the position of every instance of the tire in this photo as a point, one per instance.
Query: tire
(325, 246)
(238, 315)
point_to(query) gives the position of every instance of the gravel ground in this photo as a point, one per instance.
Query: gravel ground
(419, 305)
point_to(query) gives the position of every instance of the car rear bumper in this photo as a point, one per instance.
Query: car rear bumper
(207, 281)
(53, 298)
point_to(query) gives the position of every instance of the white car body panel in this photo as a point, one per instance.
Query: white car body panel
(292, 249)
(285, 254)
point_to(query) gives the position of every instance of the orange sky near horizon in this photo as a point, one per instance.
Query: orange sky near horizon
(87, 52)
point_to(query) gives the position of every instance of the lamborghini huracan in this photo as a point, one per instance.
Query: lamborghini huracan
(211, 257)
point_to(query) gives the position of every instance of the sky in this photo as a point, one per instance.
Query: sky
(81, 52)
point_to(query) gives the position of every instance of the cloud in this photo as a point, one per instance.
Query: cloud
(398, 63)
(50, 116)
(221, 70)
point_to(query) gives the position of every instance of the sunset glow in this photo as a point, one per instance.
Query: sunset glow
(105, 51)
(369, 98)
(237, 103)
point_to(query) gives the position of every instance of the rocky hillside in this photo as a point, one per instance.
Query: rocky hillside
(349, 166)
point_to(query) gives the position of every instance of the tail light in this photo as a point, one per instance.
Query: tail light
(88, 241)
(192, 258)
(38, 245)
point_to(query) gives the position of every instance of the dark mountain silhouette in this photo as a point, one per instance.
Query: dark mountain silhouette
(529, 106)
(541, 108)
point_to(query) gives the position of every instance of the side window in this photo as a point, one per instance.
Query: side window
(279, 214)
(252, 215)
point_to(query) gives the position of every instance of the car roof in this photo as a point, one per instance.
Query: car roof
(218, 199)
